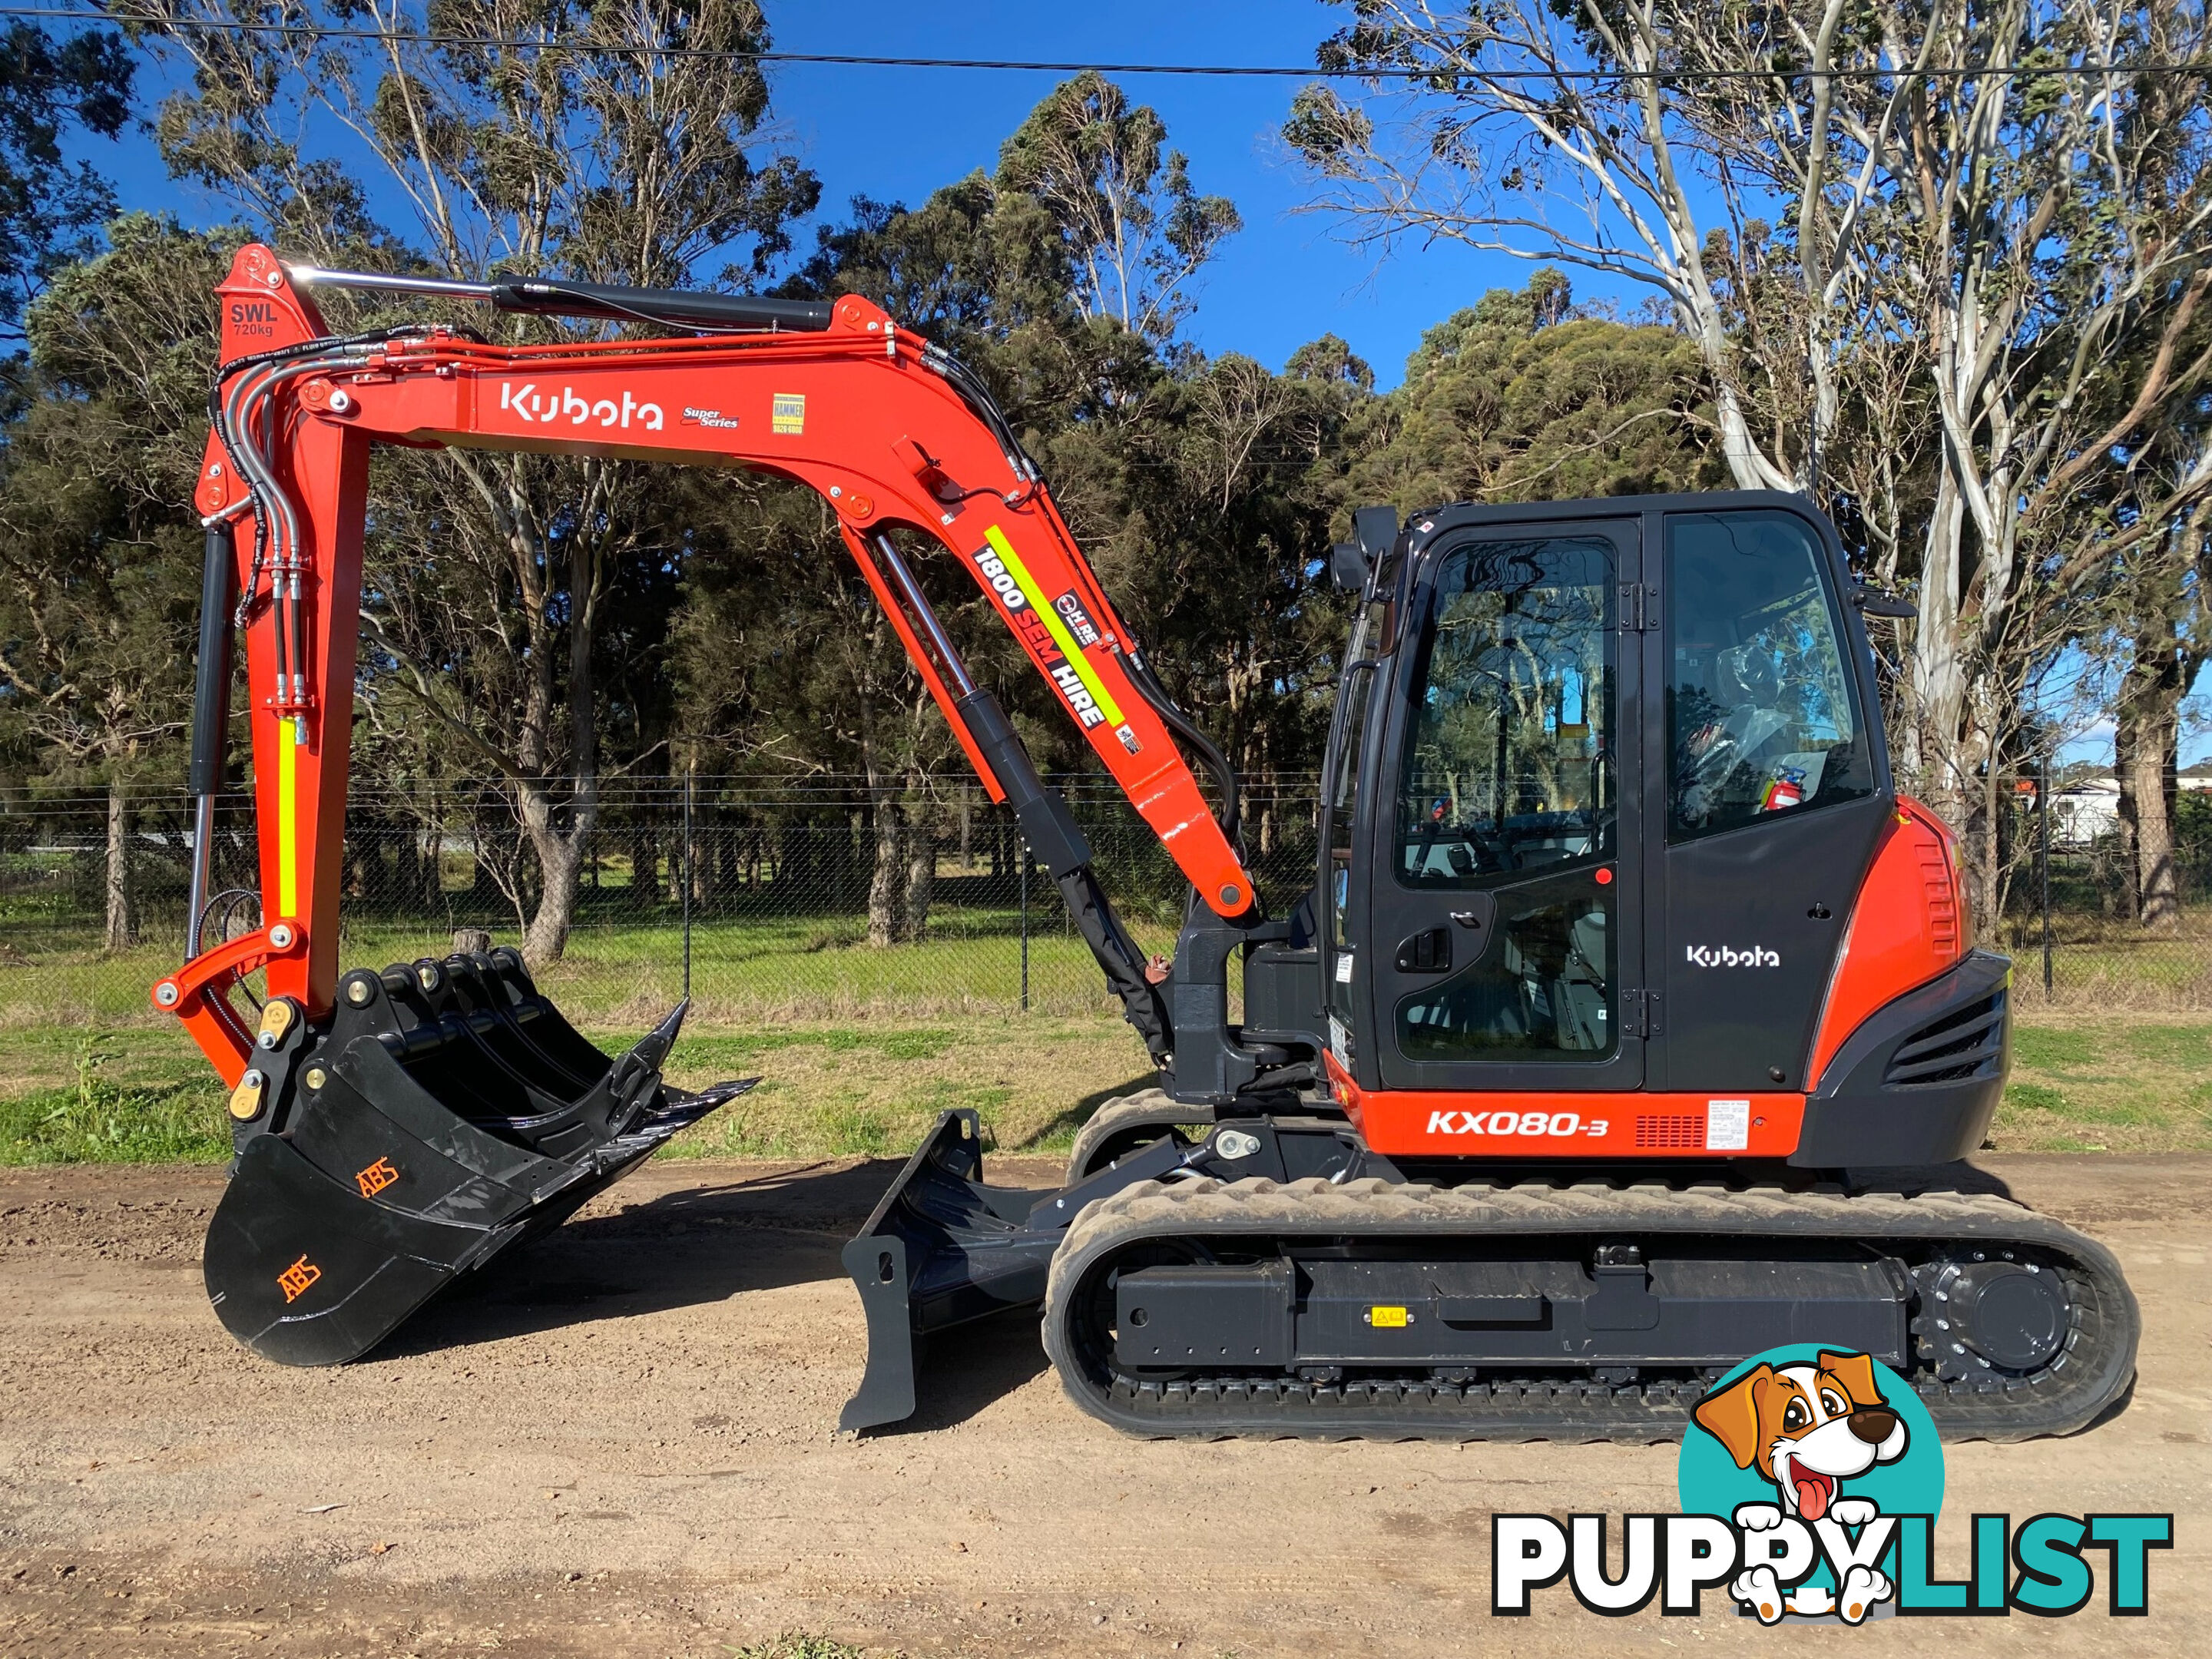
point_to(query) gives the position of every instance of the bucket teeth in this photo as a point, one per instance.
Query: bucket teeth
(448, 1112)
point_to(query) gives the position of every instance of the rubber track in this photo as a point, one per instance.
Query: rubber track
(1147, 1108)
(2091, 1369)
(1154, 1109)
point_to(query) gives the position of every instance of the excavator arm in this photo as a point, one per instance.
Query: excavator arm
(397, 1129)
(889, 430)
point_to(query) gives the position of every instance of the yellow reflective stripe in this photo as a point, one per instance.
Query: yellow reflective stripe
(288, 818)
(1053, 623)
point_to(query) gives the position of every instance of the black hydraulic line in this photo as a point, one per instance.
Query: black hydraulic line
(962, 683)
(981, 405)
(557, 296)
(211, 717)
(677, 307)
(212, 694)
(240, 383)
(1209, 752)
(226, 397)
(1051, 830)
(1058, 842)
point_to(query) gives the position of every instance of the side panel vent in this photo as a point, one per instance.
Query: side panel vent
(1670, 1130)
(1943, 929)
(1966, 1044)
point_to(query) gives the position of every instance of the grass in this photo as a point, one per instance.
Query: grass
(137, 1095)
(838, 1091)
(794, 1645)
(2081, 1082)
(619, 973)
(98, 1119)
(2107, 1082)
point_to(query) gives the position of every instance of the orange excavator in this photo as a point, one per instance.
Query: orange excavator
(1627, 1028)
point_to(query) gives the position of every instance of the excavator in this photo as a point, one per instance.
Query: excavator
(1631, 1022)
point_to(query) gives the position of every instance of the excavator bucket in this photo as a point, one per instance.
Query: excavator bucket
(448, 1112)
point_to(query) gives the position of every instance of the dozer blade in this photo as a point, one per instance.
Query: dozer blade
(449, 1113)
(942, 1249)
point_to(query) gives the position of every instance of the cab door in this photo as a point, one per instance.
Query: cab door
(1773, 795)
(1502, 944)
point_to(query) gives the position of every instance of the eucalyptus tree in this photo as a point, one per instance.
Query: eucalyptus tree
(1061, 278)
(627, 141)
(52, 207)
(1920, 246)
(98, 582)
(1135, 231)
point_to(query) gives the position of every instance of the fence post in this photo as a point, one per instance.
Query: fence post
(1025, 846)
(2043, 863)
(688, 778)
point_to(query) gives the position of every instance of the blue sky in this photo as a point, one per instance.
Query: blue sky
(898, 134)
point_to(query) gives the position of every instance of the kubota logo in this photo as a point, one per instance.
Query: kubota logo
(1726, 955)
(552, 407)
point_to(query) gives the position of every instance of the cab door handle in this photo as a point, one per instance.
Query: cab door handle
(1479, 912)
(1428, 951)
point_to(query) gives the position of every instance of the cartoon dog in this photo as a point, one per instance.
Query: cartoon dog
(1807, 1428)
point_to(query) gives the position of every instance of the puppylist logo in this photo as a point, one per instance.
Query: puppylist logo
(1810, 1479)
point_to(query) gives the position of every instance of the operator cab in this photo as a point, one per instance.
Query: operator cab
(1601, 786)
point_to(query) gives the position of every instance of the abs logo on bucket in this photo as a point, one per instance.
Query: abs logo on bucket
(1812, 1455)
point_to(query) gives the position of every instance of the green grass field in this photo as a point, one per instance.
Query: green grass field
(2111, 1083)
(829, 1089)
(616, 974)
(144, 1094)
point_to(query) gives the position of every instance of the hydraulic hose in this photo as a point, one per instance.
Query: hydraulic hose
(210, 715)
(1209, 752)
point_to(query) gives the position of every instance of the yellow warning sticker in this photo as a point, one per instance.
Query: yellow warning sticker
(1387, 1319)
(788, 414)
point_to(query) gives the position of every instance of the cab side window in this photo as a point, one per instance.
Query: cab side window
(1763, 718)
(1508, 762)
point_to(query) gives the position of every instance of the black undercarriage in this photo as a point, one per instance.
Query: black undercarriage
(1273, 1277)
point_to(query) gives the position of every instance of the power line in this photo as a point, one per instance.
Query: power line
(1262, 72)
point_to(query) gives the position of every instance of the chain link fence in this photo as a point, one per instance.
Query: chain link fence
(820, 903)
(782, 903)
(2070, 927)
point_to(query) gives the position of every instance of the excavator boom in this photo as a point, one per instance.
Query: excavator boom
(890, 432)
(447, 1106)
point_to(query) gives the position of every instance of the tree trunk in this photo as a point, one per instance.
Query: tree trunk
(560, 857)
(886, 886)
(920, 877)
(122, 925)
(560, 862)
(434, 868)
(644, 865)
(2145, 743)
(2126, 896)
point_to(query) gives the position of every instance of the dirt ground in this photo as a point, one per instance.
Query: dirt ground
(619, 1443)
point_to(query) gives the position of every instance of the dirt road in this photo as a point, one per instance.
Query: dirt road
(619, 1444)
